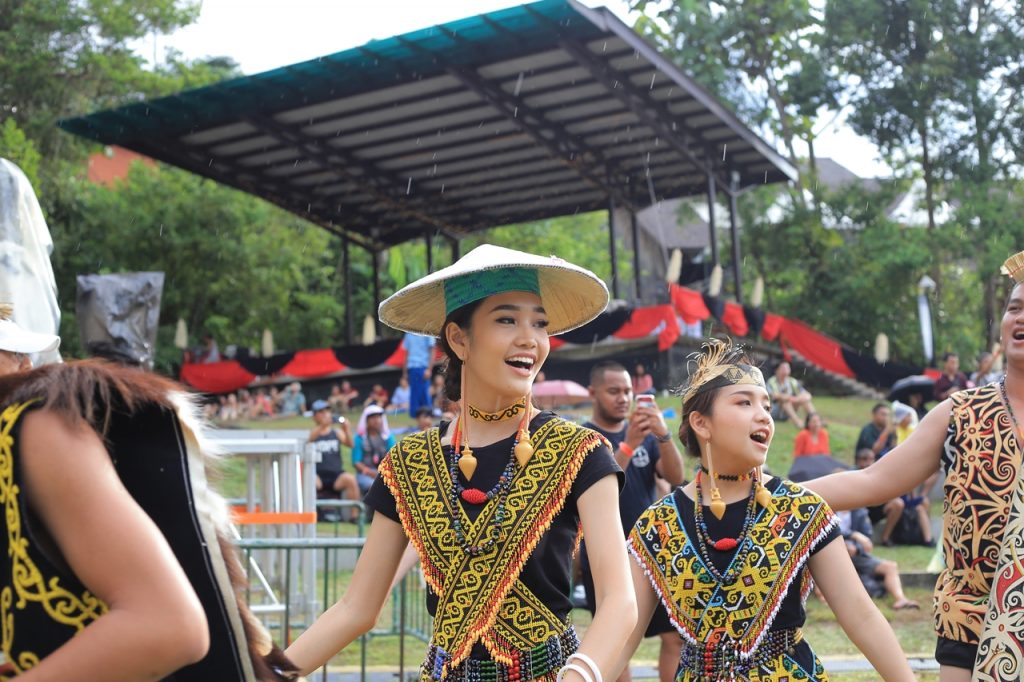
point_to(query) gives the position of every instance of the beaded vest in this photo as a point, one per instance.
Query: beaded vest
(730, 623)
(480, 598)
(41, 605)
(982, 459)
(157, 457)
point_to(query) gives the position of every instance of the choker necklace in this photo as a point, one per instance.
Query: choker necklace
(727, 477)
(477, 496)
(723, 544)
(499, 416)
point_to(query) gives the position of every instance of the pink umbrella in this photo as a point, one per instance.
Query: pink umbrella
(548, 394)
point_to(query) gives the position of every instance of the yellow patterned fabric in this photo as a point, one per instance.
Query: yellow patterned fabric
(40, 608)
(480, 598)
(982, 459)
(738, 616)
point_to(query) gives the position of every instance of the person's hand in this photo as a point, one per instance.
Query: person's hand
(426, 373)
(638, 429)
(655, 420)
(851, 548)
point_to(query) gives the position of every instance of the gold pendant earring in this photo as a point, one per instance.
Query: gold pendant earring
(467, 462)
(717, 506)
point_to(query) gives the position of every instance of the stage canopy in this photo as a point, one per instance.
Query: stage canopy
(527, 113)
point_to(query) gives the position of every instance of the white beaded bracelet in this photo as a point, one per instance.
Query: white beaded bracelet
(572, 666)
(589, 662)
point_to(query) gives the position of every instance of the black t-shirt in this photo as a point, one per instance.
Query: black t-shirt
(639, 492)
(548, 571)
(329, 447)
(791, 612)
(869, 434)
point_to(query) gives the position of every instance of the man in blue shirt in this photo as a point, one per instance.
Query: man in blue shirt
(643, 447)
(419, 361)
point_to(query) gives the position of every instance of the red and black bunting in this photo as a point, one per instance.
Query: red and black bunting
(600, 328)
(622, 323)
(365, 357)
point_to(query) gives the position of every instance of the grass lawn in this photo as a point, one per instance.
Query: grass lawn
(843, 418)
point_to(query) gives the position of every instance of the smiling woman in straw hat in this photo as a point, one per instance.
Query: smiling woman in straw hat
(492, 502)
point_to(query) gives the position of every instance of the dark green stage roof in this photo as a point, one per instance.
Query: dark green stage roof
(531, 112)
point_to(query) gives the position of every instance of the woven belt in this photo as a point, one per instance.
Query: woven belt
(547, 657)
(721, 660)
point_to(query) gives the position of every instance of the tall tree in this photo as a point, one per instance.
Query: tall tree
(762, 57)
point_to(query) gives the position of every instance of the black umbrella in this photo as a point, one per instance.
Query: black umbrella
(908, 386)
(814, 466)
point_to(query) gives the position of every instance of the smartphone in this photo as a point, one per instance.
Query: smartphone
(646, 400)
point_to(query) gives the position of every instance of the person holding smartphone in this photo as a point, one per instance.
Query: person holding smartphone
(644, 448)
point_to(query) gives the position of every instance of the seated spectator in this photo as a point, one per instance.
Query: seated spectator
(372, 442)
(812, 439)
(878, 435)
(906, 517)
(326, 438)
(987, 372)
(787, 394)
(878, 576)
(642, 381)
(275, 399)
(891, 511)
(400, 398)
(244, 403)
(341, 398)
(261, 405)
(229, 409)
(437, 394)
(424, 419)
(378, 396)
(293, 401)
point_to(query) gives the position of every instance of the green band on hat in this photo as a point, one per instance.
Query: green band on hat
(474, 286)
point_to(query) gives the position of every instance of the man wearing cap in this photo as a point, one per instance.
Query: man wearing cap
(17, 344)
(327, 440)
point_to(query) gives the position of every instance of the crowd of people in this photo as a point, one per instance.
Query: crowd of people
(272, 402)
(492, 495)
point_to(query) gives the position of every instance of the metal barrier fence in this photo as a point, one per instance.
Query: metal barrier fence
(281, 602)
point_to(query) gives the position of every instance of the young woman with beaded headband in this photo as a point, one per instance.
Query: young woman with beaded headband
(975, 436)
(493, 501)
(728, 554)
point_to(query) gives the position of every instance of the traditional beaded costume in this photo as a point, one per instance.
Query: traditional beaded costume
(980, 593)
(475, 570)
(158, 453)
(726, 621)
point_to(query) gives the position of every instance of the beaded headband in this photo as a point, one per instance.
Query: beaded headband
(714, 371)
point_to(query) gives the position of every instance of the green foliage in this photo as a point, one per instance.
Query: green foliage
(60, 58)
(18, 149)
(233, 265)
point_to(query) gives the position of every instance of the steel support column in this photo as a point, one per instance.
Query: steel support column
(346, 269)
(711, 220)
(634, 227)
(612, 250)
(737, 276)
(375, 257)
